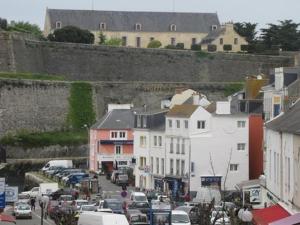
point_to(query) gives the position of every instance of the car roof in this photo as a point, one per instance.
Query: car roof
(179, 212)
(112, 200)
(138, 193)
(184, 208)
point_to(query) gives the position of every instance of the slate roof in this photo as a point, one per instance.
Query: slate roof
(116, 119)
(288, 122)
(182, 111)
(125, 21)
(213, 35)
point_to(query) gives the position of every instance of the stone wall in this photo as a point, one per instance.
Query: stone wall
(102, 63)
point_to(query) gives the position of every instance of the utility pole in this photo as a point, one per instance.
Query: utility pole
(42, 212)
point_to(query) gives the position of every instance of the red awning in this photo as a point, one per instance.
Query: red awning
(291, 220)
(268, 215)
(7, 218)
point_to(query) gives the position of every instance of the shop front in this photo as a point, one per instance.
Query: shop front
(175, 186)
(158, 183)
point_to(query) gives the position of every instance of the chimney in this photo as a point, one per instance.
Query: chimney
(196, 98)
(279, 78)
(223, 108)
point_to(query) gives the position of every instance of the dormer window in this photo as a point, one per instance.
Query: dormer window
(172, 27)
(138, 26)
(58, 25)
(102, 26)
(214, 27)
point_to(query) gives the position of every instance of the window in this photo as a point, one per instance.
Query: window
(233, 167)
(157, 165)
(221, 41)
(178, 123)
(236, 41)
(170, 123)
(162, 166)
(171, 145)
(122, 134)
(177, 146)
(214, 27)
(192, 167)
(143, 141)
(114, 134)
(124, 41)
(173, 41)
(171, 166)
(182, 167)
(118, 150)
(241, 146)
(138, 26)
(155, 140)
(138, 42)
(241, 124)
(102, 26)
(160, 140)
(186, 124)
(139, 121)
(152, 39)
(183, 146)
(58, 25)
(194, 41)
(172, 27)
(177, 167)
(201, 124)
(144, 121)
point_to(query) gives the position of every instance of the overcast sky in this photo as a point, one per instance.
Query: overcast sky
(254, 11)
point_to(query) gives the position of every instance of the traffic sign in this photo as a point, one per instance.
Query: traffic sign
(2, 193)
(124, 194)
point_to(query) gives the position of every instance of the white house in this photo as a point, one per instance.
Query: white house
(282, 146)
(149, 149)
(205, 147)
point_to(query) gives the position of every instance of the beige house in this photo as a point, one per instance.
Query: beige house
(137, 29)
(224, 35)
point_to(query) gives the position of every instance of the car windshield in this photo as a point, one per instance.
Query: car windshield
(23, 196)
(141, 205)
(88, 208)
(82, 203)
(180, 218)
(114, 205)
(140, 198)
(23, 207)
(139, 218)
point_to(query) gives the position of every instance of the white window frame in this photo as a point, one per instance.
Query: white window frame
(183, 146)
(112, 136)
(138, 27)
(201, 124)
(172, 166)
(178, 146)
(155, 140)
(160, 141)
(173, 27)
(157, 165)
(171, 145)
(102, 26)
(120, 148)
(241, 146)
(214, 27)
(177, 123)
(139, 121)
(241, 123)
(186, 124)
(58, 26)
(144, 121)
(170, 123)
(121, 136)
(173, 41)
(234, 167)
(143, 141)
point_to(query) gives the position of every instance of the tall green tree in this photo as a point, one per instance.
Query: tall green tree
(72, 34)
(246, 30)
(26, 27)
(285, 35)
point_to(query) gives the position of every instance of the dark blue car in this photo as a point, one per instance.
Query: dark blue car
(114, 204)
(76, 178)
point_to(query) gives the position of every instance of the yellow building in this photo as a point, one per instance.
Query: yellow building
(137, 29)
(225, 38)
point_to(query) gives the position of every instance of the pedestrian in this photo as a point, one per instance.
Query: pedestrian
(32, 203)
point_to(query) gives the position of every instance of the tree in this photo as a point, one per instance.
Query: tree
(26, 27)
(154, 44)
(3, 24)
(72, 34)
(114, 42)
(102, 38)
(285, 35)
(246, 30)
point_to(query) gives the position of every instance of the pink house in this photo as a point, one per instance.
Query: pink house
(111, 140)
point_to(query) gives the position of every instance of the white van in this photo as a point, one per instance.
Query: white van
(207, 194)
(101, 218)
(58, 163)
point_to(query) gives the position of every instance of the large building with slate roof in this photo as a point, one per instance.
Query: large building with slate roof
(137, 29)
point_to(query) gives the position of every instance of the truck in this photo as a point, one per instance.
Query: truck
(101, 218)
(58, 163)
(33, 193)
(47, 188)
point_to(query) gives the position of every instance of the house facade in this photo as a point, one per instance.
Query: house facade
(111, 141)
(136, 29)
(149, 149)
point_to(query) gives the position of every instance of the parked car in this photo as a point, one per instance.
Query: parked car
(122, 179)
(87, 208)
(114, 204)
(65, 199)
(135, 217)
(180, 218)
(16, 204)
(144, 207)
(64, 191)
(76, 178)
(25, 198)
(220, 217)
(81, 202)
(192, 212)
(138, 197)
(23, 211)
(58, 163)
(114, 176)
(92, 218)
(33, 193)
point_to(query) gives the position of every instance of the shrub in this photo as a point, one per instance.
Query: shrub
(154, 44)
(227, 47)
(244, 48)
(196, 47)
(211, 48)
(3, 24)
(180, 46)
(170, 47)
(102, 38)
(72, 34)
(114, 42)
